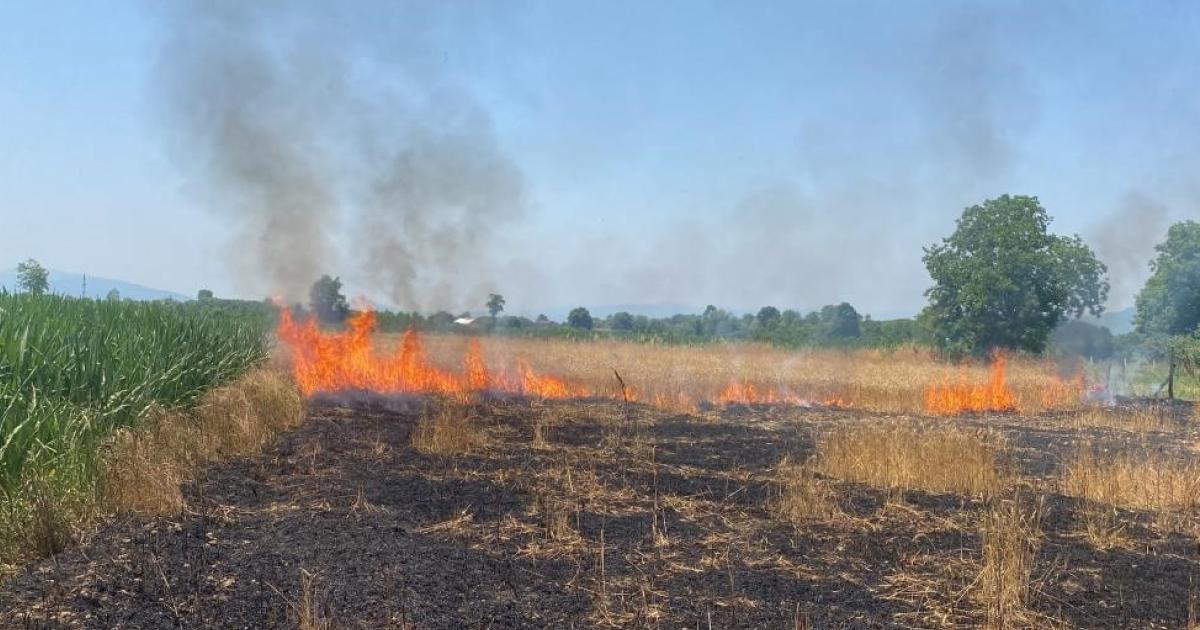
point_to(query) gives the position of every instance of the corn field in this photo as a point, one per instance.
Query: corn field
(73, 370)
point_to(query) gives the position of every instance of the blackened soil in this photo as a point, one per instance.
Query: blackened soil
(617, 517)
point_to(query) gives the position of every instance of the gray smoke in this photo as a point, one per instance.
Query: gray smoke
(1125, 240)
(334, 144)
(847, 220)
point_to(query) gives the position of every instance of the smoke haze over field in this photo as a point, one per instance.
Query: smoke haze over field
(572, 153)
(330, 150)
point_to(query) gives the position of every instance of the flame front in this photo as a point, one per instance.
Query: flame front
(339, 361)
(961, 397)
(347, 361)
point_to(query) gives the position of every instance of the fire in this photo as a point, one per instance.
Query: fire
(1065, 393)
(338, 361)
(346, 361)
(953, 398)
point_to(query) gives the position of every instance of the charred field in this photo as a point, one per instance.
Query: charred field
(431, 512)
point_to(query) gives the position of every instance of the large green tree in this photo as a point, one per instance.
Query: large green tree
(32, 277)
(1001, 280)
(327, 301)
(1168, 307)
(580, 318)
(1169, 304)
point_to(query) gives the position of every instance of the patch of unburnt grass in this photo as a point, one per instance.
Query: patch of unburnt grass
(1151, 418)
(145, 466)
(140, 469)
(803, 497)
(913, 457)
(1011, 534)
(446, 429)
(1146, 480)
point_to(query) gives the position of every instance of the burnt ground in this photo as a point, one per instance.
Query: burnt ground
(624, 517)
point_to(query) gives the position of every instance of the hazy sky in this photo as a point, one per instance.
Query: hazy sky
(566, 152)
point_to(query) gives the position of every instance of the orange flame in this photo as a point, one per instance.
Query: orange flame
(1065, 393)
(328, 362)
(961, 397)
(345, 361)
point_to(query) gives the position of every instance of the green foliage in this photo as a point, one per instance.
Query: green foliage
(580, 318)
(621, 321)
(495, 304)
(72, 370)
(113, 295)
(840, 321)
(768, 317)
(327, 301)
(32, 277)
(1001, 280)
(1169, 304)
(204, 294)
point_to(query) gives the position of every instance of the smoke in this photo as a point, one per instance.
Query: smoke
(1125, 240)
(333, 141)
(866, 188)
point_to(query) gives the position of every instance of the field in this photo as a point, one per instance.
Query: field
(74, 373)
(493, 509)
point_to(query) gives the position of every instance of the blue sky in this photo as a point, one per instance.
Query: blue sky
(732, 153)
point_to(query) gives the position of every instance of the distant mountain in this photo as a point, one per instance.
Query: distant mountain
(68, 283)
(1117, 322)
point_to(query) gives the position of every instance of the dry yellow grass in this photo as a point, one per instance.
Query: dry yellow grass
(907, 456)
(1011, 535)
(1140, 481)
(142, 468)
(890, 381)
(1146, 419)
(445, 430)
(145, 466)
(803, 497)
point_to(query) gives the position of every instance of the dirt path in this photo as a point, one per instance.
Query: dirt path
(622, 518)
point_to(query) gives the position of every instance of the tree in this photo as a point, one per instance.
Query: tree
(622, 321)
(1002, 281)
(113, 295)
(542, 319)
(768, 317)
(495, 305)
(840, 321)
(32, 277)
(327, 301)
(204, 294)
(1168, 307)
(580, 318)
(1169, 304)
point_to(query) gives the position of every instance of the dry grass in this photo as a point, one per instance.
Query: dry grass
(803, 497)
(677, 377)
(1011, 535)
(310, 611)
(145, 466)
(907, 456)
(141, 469)
(1145, 419)
(1138, 481)
(446, 430)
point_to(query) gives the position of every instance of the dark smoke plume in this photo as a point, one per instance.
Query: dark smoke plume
(333, 143)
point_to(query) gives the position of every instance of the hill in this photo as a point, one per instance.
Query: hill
(70, 283)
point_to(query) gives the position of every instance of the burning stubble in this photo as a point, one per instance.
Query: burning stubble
(309, 128)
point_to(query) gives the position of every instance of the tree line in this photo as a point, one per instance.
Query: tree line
(1001, 280)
